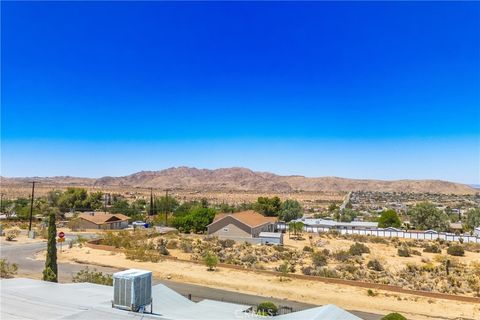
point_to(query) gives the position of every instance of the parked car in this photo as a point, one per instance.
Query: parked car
(139, 224)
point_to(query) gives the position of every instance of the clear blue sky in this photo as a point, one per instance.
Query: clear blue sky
(361, 90)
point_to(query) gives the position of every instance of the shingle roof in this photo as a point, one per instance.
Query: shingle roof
(249, 217)
(101, 218)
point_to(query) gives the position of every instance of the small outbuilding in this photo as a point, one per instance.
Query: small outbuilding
(476, 231)
(271, 238)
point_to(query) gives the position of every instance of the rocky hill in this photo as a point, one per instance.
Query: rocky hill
(242, 179)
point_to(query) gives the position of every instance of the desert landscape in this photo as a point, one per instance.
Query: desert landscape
(246, 280)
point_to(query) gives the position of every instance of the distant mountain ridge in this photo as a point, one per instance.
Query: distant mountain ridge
(242, 179)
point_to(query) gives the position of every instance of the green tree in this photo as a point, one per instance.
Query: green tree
(426, 216)
(51, 271)
(53, 197)
(332, 207)
(165, 204)
(290, 210)
(269, 207)
(94, 200)
(296, 227)
(196, 220)
(473, 218)
(122, 206)
(389, 218)
(347, 215)
(73, 198)
(211, 260)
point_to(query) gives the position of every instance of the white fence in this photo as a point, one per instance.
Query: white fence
(392, 233)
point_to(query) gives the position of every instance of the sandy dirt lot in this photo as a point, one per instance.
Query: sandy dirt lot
(414, 307)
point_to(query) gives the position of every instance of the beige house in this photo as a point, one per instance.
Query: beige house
(245, 224)
(100, 220)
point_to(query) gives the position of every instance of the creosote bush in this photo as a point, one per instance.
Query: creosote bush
(319, 259)
(403, 251)
(357, 249)
(93, 276)
(267, 308)
(456, 250)
(394, 316)
(12, 234)
(375, 265)
(433, 248)
(7, 270)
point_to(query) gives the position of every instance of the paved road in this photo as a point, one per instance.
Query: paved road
(23, 255)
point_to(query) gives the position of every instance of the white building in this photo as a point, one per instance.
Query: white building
(336, 225)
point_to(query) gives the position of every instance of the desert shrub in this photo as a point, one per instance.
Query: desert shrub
(172, 244)
(325, 252)
(357, 249)
(141, 254)
(162, 247)
(359, 237)
(394, 316)
(327, 273)
(122, 239)
(227, 243)
(249, 258)
(415, 252)
(267, 308)
(403, 251)
(341, 255)
(186, 246)
(308, 271)
(211, 260)
(334, 233)
(471, 246)
(433, 248)
(318, 259)
(375, 239)
(12, 234)
(280, 248)
(7, 270)
(93, 276)
(456, 250)
(307, 249)
(347, 267)
(371, 293)
(375, 265)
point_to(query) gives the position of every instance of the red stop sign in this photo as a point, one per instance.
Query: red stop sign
(61, 234)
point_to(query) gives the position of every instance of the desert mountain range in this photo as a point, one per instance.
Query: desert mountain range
(242, 179)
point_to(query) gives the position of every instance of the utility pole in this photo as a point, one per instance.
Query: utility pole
(151, 202)
(1, 202)
(31, 207)
(105, 203)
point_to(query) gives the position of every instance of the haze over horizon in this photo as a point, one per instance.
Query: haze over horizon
(92, 89)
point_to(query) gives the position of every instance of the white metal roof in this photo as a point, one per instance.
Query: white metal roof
(270, 235)
(332, 223)
(35, 299)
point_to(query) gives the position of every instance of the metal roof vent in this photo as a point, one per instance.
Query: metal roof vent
(132, 289)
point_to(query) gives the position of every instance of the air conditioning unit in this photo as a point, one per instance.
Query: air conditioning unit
(132, 289)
